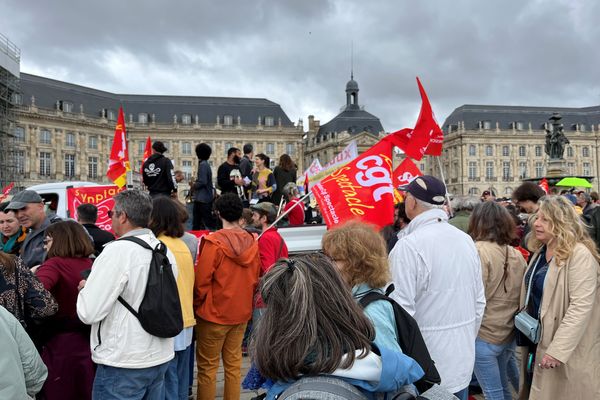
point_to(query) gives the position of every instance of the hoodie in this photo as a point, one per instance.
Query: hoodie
(158, 175)
(227, 274)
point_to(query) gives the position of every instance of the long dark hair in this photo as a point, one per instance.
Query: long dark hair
(69, 239)
(167, 217)
(491, 222)
(285, 162)
(310, 322)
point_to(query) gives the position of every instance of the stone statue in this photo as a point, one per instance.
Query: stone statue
(556, 139)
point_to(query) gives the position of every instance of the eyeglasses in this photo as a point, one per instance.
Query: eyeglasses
(110, 213)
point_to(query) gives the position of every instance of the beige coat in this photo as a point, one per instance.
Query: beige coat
(570, 315)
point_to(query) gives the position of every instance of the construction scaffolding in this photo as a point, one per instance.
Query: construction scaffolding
(10, 98)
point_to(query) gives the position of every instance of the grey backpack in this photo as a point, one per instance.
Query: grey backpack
(321, 388)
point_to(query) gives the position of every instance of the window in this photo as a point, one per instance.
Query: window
(489, 170)
(472, 150)
(539, 169)
(472, 170)
(186, 148)
(45, 136)
(143, 118)
(20, 161)
(228, 145)
(582, 127)
(571, 168)
(186, 119)
(489, 151)
(290, 148)
(422, 167)
(270, 148)
(186, 168)
(112, 115)
(569, 151)
(269, 121)
(93, 142)
(538, 151)
(69, 165)
(20, 134)
(521, 151)
(473, 191)
(508, 191)
(585, 151)
(522, 169)
(70, 139)
(228, 120)
(271, 163)
(92, 167)
(45, 160)
(17, 98)
(487, 125)
(587, 169)
(141, 146)
(506, 171)
(519, 126)
(505, 151)
(66, 106)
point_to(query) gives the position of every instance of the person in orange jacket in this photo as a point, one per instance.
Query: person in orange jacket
(227, 273)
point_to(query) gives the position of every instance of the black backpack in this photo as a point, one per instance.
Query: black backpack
(409, 338)
(160, 310)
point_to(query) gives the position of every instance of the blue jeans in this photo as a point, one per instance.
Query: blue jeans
(491, 364)
(113, 383)
(463, 394)
(177, 376)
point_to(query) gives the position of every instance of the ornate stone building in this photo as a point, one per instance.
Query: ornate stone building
(496, 147)
(65, 131)
(352, 123)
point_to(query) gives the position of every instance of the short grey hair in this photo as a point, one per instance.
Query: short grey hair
(137, 205)
(428, 206)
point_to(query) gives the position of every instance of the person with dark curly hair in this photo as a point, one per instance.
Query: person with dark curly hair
(227, 274)
(203, 191)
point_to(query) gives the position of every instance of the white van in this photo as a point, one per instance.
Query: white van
(55, 195)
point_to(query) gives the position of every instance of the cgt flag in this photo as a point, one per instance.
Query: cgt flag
(426, 137)
(118, 164)
(544, 185)
(405, 173)
(361, 189)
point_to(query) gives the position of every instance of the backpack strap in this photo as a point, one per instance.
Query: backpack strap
(146, 246)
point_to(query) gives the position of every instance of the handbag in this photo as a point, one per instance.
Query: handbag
(525, 323)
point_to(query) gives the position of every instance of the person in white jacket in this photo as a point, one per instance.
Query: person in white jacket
(437, 276)
(131, 362)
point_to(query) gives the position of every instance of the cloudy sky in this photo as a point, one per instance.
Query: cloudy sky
(297, 52)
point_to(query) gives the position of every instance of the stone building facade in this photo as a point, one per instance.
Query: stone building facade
(497, 147)
(65, 131)
(324, 142)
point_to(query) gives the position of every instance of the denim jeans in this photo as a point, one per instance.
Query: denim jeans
(177, 376)
(113, 383)
(463, 394)
(491, 364)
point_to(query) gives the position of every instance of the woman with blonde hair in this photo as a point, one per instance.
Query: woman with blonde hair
(560, 290)
(502, 266)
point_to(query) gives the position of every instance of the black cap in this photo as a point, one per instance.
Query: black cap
(488, 193)
(426, 188)
(159, 146)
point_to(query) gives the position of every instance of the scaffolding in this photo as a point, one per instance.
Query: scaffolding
(10, 98)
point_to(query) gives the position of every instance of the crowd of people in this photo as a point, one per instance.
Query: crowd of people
(427, 303)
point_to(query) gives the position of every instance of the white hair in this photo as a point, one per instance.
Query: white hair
(428, 206)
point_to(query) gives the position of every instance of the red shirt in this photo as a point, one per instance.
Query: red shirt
(272, 247)
(296, 216)
(60, 276)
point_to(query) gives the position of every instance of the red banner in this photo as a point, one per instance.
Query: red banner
(6, 190)
(147, 154)
(544, 185)
(118, 163)
(405, 173)
(100, 196)
(361, 189)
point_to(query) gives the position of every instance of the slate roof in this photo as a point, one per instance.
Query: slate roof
(48, 91)
(506, 115)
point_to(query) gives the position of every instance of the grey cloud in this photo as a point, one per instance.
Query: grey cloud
(297, 53)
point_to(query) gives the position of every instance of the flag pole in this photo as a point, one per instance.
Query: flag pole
(301, 201)
(445, 186)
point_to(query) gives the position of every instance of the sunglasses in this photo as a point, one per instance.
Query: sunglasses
(110, 213)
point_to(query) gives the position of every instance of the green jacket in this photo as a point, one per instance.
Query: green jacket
(22, 372)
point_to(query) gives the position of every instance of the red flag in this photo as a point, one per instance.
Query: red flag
(544, 185)
(426, 137)
(147, 153)
(361, 189)
(6, 190)
(118, 164)
(405, 173)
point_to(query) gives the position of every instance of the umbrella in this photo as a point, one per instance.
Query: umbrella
(574, 182)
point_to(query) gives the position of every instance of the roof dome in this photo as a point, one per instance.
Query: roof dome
(351, 85)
